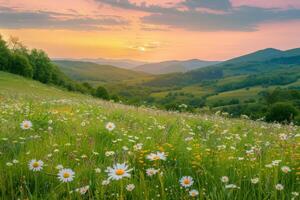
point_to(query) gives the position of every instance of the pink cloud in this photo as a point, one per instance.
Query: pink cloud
(164, 3)
(268, 3)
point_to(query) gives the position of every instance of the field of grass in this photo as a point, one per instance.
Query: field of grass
(196, 90)
(213, 157)
(241, 94)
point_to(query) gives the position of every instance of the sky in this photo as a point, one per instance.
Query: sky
(152, 30)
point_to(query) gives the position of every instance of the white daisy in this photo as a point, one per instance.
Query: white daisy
(279, 187)
(186, 181)
(15, 161)
(109, 153)
(105, 182)
(26, 124)
(194, 193)
(125, 148)
(130, 187)
(295, 194)
(98, 170)
(66, 175)
(151, 171)
(254, 180)
(118, 171)
(59, 167)
(276, 162)
(35, 165)
(83, 189)
(285, 169)
(138, 146)
(157, 156)
(110, 126)
(9, 164)
(231, 186)
(225, 179)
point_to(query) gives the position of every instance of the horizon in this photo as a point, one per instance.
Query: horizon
(128, 59)
(148, 31)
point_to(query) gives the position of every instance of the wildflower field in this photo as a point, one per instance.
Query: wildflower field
(61, 145)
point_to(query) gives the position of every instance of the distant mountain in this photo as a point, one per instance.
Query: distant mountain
(121, 63)
(95, 73)
(264, 62)
(174, 66)
(265, 54)
(292, 52)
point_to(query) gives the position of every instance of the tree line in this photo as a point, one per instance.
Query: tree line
(35, 64)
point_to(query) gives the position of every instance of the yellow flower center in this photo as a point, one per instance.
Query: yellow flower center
(35, 164)
(26, 125)
(66, 175)
(156, 157)
(120, 172)
(186, 181)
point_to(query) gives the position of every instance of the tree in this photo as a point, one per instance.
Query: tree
(88, 88)
(115, 98)
(102, 93)
(42, 66)
(20, 65)
(281, 112)
(4, 55)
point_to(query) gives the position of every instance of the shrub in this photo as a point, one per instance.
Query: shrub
(20, 65)
(281, 112)
(102, 93)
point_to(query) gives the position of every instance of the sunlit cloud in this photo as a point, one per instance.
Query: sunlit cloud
(150, 46)
(152, 29)
(19, 19)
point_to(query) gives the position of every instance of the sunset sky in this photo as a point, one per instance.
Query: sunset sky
(152, 30)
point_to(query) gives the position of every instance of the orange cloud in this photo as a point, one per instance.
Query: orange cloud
(141, 41)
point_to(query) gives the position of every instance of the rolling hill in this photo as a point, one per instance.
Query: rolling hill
(227, 86)
(264, 61)
(95, 73)
(263, 55)
(239, 81)
(174, 66)
(120, 63)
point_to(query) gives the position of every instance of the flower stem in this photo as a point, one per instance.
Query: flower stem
(36, 186)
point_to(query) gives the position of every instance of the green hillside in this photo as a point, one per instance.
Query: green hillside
(95, 73)
(262, 55)
(231, 87)
(174, 66)
(14, 86)
(66, 152)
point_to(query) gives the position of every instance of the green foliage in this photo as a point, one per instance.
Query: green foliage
(259, 79)
(115, 98)
(21, 65)
(43, 68)
(183, 79)
(102, 93)
(4, 55)
(281, 112)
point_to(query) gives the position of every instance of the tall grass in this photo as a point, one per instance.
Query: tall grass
(72, 133)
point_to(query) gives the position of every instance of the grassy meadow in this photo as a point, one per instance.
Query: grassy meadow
(167, 155)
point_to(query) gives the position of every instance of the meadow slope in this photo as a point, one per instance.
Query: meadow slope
(167, 155)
